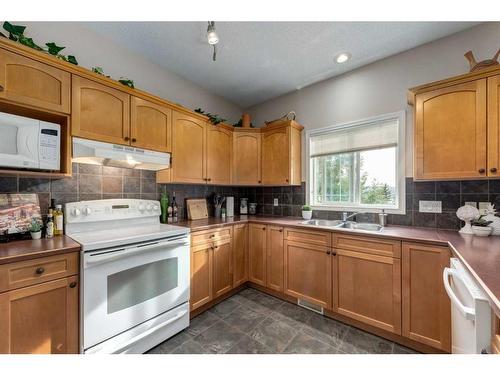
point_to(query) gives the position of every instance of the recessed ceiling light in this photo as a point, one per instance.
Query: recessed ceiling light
(342, 57)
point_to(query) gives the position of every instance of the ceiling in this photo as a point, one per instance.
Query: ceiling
(258, 61)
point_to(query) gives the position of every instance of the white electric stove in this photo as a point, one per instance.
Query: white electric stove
(135, 274)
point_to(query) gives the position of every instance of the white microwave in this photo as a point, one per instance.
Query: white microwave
(29, 143)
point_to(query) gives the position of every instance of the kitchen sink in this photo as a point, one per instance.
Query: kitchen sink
(369, 227)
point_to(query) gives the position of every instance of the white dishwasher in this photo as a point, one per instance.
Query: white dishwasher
(470, 311)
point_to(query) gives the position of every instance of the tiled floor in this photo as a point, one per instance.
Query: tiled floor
(254, 322)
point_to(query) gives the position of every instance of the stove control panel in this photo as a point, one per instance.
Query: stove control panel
(110, 209)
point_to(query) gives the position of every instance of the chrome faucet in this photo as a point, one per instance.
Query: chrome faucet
(346, 217)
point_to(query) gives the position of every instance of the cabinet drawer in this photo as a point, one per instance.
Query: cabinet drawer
(367, 245)
(313, 237)
(211, 235)
(30, 272)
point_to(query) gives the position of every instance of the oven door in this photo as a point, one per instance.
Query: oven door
(19, 141)
(125, 286)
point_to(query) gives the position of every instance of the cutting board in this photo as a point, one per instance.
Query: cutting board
(197, 209)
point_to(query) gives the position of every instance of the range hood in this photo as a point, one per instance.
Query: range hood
(100, 153)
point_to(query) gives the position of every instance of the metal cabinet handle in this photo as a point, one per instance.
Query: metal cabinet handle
(493, 170)
(482, 170)
(40, 270)
(73, 284)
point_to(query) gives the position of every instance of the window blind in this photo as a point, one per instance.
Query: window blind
(358, 138)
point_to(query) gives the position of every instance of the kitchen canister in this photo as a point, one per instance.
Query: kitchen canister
(252, 208)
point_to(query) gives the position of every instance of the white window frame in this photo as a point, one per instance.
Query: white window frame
(400, 167)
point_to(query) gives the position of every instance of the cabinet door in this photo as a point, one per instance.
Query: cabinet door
(240, 254)
(257, 254)
(494, 126)
(450, 132)
(150, 125)
(201, 275)
(274, 251)
(222, 267)
(276, 156)
(41, 319)
(368, 289)
(219, 146)
(426, 307)
(29, 82)
(188, 149)
(308, 273)
(100, 112)
(246, 158)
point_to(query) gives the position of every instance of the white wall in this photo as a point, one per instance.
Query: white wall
(91, 50)
(381, 87)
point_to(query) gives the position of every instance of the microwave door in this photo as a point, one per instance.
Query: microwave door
(19, 142)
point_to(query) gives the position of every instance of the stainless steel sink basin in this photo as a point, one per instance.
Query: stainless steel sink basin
(369, 227)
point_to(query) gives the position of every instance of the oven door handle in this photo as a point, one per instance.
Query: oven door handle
(150, 331)
(106, 257)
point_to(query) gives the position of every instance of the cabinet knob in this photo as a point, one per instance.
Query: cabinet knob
(482, 170)
(126, 138)
(286, 180)
(259, 181)
(264, 228)
(209, 179)
(1, 88)
(40, 270)
(327, 252)
(134, 140)
(73, 284)
(281, 230)
(493, 170)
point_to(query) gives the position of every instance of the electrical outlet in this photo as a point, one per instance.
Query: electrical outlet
(429, 206)
(483, 207)
(275, 201)
(473, 204)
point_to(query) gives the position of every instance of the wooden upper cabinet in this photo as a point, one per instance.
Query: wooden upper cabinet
(275, 255)
(218, 157)
(494, 126)
(426, 307)
(368, 289)
(201, 275)
(29, 82)
(257, 254)
(150, 125)
(100, 112)
(188, 148)
(450, 132)
(240, 254)
(281, 154)
(247, 157)
(40, 319)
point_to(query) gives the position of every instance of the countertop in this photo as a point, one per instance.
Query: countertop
(30, 249)
(480, 255)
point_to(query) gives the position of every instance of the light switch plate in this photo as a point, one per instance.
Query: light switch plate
(275, 201)
(430, 206)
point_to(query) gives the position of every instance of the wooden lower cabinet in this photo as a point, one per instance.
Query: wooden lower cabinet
(240, 254)
(274, 255)
(222, 268)
(201, 275)
(41, 318)
(368, 289)
(308, 273)
(426, 307)
(257, 254)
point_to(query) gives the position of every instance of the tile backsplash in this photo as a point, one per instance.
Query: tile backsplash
(95, 182)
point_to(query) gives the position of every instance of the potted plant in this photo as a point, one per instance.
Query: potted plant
(35, 229)
(480, 226)
(307, 212)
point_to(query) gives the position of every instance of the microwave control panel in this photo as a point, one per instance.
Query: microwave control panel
(49, 146)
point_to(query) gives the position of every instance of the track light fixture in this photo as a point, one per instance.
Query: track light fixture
(212, 37)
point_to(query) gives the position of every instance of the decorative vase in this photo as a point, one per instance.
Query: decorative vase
(36, 235)
(307, 215)
(467, 214)
(481, 231)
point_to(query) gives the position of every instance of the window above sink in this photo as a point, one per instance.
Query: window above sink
(358, 166)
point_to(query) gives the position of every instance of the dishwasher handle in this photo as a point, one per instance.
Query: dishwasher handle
(468, 312)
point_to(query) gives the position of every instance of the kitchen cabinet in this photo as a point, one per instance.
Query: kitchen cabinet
(100, 112)
(222, 267)
(218, 156)
(39, 305)
(494, 126)
(281, 153)
(247, 157)
(257, 254)
(274, 258)
(150, 125)
(368, 289)
(32, 83)
(240, 254)
(425, 306)
(495, 339)
(201, 275)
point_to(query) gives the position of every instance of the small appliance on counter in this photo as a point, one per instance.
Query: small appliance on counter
(243, 206)
(229, 206)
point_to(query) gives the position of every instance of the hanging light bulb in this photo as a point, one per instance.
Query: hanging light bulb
(212, 36)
